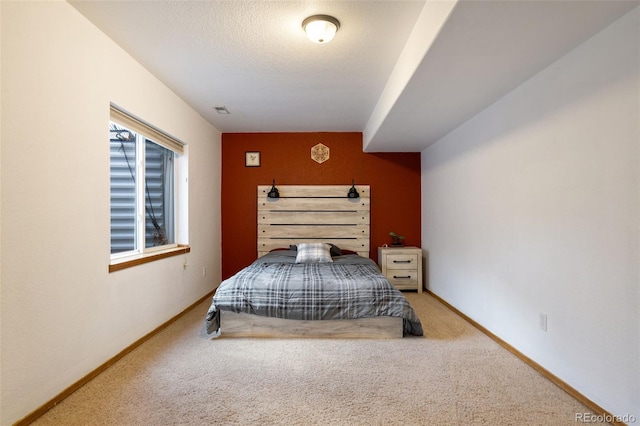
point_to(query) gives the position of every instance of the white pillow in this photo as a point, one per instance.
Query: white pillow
(313, 253)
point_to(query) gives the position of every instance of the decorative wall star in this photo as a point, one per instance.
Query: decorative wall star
(320, 153)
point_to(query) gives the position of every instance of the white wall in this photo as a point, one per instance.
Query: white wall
(533, 207)
(62, 313)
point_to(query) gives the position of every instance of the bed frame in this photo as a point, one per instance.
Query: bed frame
(312, 213)
(234, 324)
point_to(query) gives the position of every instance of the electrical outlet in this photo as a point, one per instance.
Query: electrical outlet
(543, 322)
(204, 271)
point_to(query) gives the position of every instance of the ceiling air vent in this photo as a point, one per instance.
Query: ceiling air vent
(221, 110)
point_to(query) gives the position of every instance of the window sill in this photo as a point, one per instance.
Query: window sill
(124, 264)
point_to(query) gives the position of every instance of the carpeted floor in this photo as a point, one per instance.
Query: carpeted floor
(454, 375)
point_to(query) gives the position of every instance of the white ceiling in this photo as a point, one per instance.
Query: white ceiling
(253, 58)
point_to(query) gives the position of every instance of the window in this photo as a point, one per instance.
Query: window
(144, 165)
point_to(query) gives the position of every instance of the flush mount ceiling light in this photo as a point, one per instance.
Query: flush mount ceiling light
(320, 28)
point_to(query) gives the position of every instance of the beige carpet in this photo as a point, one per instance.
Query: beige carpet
(454, 375)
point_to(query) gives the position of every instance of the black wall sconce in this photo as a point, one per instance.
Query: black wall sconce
(273, 192)
(353, 192)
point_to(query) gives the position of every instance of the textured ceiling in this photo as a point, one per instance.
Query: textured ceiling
(403, 72)
(254, 58)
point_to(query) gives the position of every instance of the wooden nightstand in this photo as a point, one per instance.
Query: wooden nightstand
(402, 266)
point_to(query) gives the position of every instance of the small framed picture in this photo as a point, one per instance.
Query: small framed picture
(252, 159)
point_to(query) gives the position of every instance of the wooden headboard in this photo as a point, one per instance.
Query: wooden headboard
(314, 213)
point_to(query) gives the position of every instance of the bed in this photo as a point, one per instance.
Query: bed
(312, 277)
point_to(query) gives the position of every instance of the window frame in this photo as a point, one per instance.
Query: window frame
(142, 254)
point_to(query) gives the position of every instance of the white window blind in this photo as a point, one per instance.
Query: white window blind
(143, 128)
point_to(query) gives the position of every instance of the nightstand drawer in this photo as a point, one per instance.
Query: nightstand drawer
(402, 261)
(403, 279)
(402, 266)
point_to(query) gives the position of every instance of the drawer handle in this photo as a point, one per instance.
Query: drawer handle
(404, 276)
(402, 261)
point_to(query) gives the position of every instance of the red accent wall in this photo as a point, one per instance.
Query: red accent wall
(286, 157)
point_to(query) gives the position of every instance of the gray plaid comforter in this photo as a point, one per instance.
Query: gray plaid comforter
(275, 286)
